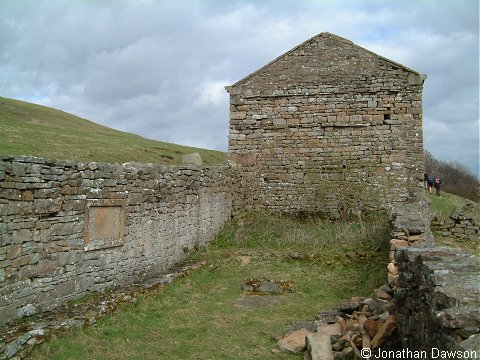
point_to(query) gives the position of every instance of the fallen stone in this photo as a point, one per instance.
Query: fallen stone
(346, 353)
(459, 317)
(467, 332)
(372, 304)
(472, 343)
(382, 294)
(269, 287)
(298, 325)
(339, 345)
(193, 159)
(348, 307)
(390, 307)
(372, 327)
(294, 342)
(319, 346)
(330, 329)
(327, 316)
(385, 331)
(247, 287)
(13, 347)
(387, 289)
(254, 302)
(35, 340)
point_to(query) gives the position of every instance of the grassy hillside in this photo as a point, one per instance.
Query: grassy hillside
(30, 129)
(443, 206)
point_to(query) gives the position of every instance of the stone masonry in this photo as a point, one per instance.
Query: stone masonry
(437, 300)
(325, 107)
(436, 289)
(463, 223)
(68, 228)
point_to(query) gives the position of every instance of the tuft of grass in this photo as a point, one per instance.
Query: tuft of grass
(196, 317)
(30, 129)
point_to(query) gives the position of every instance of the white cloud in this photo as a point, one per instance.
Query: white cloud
(212, 93)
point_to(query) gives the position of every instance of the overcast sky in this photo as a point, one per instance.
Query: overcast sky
(158, 68)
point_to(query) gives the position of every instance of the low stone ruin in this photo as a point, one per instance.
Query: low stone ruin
(263, 293)
(268, 286)
(430, 305)
(463, 223)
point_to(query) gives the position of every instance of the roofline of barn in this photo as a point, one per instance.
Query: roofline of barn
(322, 34)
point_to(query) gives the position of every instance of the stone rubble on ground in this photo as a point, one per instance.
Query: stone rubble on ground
(358, 323)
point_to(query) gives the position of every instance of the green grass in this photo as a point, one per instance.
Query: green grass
(30, 129)
(196, 317)
(443, 206)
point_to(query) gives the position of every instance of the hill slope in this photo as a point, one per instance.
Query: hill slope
(30, 129)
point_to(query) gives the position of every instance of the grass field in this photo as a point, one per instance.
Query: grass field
(196, 317)
(30, 129)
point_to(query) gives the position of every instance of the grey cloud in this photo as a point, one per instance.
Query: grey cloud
(154, 67)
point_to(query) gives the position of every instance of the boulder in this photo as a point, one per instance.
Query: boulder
(193, 159)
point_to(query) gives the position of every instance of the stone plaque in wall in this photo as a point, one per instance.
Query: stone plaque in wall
(104, 224)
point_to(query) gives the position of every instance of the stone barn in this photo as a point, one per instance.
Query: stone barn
(327, 111)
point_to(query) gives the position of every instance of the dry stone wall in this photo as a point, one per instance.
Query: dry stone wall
(68, 228)
(437, 299)
(463, 223)
(321, 108)
(436, 289)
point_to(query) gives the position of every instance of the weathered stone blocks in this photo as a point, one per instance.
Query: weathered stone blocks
(437, 298)
(45, 257)
(314, 109)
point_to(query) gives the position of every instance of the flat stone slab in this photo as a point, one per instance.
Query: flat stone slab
(256, 302)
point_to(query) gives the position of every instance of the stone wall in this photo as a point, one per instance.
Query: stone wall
(436, 290)
(437, 300)
(463, 223)
(68, 228)
(410, 227)
(325, 108)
